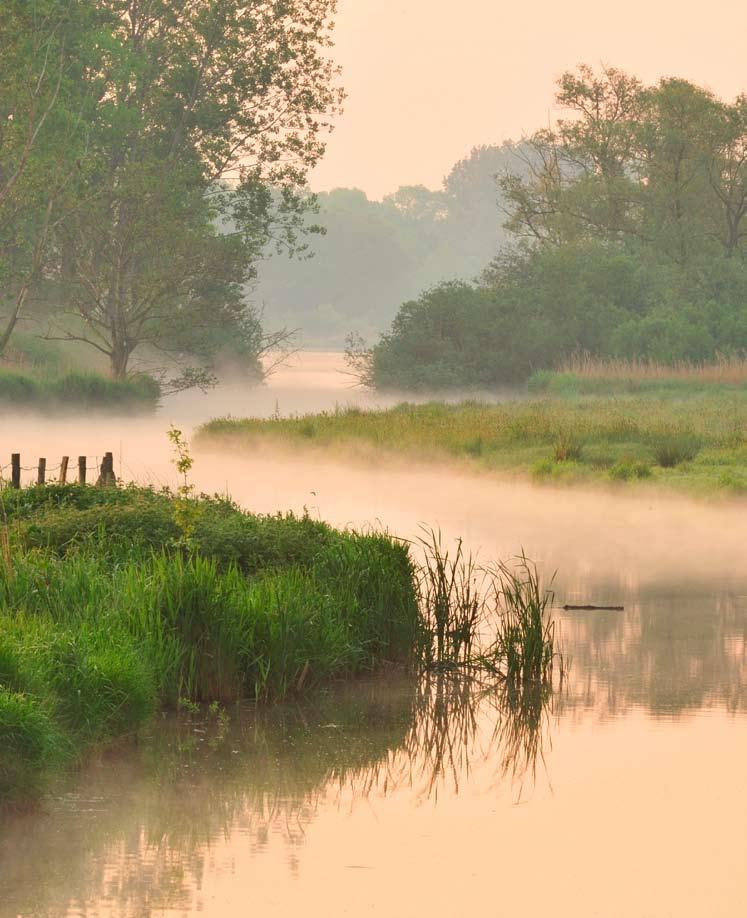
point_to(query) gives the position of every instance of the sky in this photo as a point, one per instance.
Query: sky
(427, 80)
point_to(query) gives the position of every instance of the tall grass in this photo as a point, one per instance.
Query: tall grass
(75, 390)
(105, 614)
(725, 369)
(491, 619)
(691, 436)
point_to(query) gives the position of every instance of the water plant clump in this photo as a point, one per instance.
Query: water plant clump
(491, 619)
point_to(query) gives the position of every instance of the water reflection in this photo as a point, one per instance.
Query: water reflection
(140, 837)
(200, 816)
(670, 654)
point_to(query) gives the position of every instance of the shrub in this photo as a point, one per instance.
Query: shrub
(566, 448)
(628, 470)
(672, 449)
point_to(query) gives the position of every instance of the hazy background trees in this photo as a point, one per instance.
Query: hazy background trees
(375, 254)
(627, 231)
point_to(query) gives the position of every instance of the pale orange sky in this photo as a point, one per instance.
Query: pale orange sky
(429, 79)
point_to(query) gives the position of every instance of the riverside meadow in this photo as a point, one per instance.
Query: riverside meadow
(683, 428)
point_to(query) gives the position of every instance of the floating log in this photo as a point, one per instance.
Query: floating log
(568, 608)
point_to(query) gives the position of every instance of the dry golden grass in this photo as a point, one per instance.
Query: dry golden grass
(731, 370)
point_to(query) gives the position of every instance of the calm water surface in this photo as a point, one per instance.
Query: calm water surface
(623, 794)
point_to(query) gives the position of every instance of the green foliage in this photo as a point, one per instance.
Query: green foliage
(675, 447)
(75, 391)
(629, 241)
(121, 135)
(629, 470)
(105, 613)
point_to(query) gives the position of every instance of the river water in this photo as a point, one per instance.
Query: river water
(623, 794)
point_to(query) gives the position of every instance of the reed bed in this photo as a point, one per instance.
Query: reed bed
(724, 370)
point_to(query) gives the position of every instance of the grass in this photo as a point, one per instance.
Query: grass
(73, 391)
(690, 435)
(105, 616)
(486, 619)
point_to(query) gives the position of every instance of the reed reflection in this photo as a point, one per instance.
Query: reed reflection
(147, 826)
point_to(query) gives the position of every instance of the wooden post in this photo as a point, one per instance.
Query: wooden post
(15, 474)
(42, 473)
(81, 469)
(63, 469)
(106, 475)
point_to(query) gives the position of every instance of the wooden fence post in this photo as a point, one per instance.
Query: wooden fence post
(63, 469)
(81, 469)
(42, 472)
(15, 474)
(106, 475)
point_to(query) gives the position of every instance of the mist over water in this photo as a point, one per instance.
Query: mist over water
(602, 545)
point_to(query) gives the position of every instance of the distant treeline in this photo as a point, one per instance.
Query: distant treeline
(628, 238)
(375, 254)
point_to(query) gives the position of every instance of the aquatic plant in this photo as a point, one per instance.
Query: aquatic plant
(488, 618)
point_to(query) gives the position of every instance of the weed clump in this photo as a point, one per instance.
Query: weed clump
(629, 470)
(566, 448)
(491, 619)
(672, 449)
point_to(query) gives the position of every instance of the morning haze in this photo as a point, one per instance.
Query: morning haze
(372, 503)
(429, 79)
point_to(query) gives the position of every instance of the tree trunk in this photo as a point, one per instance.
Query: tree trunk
(119, 359)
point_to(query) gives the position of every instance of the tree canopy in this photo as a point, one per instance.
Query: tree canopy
(197, 123)
(628, 237)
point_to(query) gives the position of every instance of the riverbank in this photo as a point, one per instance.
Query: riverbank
(685, 436)
(117, 602)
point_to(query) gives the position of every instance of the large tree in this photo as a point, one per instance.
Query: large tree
(661, 168)
(208, 116)
(41, 113)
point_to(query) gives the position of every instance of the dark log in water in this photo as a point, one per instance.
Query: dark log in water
(567, 608)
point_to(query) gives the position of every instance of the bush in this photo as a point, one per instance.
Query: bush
(628, 470)
(672, 449)
(566, 448)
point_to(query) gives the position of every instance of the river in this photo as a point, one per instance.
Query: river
(624, 794)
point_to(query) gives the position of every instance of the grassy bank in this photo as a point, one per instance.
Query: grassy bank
(112, 606)
(75, 391)
(684, 433)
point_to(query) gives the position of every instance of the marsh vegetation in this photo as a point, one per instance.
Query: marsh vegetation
(117, 601)
(684, 429)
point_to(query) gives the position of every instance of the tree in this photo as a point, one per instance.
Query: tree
(661, 168)
(208, 116)
(40, 115)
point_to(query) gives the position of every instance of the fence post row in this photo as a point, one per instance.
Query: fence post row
(106, 476)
